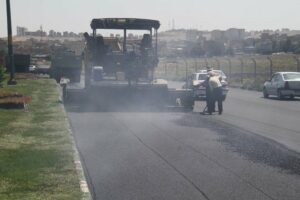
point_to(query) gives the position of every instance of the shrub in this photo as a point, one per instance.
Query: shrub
(252, 85)
(2, 75)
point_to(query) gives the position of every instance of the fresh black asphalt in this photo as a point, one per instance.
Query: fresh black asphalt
(252, 151)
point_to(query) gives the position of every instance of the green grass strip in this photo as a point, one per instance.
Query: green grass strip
(36, 155)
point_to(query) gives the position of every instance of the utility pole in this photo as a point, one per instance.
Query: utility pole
(11, 61)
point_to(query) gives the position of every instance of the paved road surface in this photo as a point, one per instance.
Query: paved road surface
(250, 152)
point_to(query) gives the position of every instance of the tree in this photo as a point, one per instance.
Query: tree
(286, 47)
(197, 50)
(214, 48)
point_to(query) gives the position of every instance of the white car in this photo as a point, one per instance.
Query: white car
(32, 68)
(218, 72)
(283, 84)
(200, 91)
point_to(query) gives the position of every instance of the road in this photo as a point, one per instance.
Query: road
(250, 152)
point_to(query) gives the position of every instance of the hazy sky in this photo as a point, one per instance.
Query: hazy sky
(75, 15)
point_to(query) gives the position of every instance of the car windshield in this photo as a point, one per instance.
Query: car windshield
(202, 76)
(291, 76)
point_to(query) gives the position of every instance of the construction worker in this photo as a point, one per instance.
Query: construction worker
(209, 94)
(216, 86)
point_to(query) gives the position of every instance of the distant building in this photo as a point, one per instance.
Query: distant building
(65, 34)
(38, 33)
(21, 31)
(173, 35)
(218, 35)
(265, 36)
(207, 35)
(192, 35)
(235, 34)
(268, 31)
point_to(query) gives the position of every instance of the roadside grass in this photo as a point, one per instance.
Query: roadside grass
(36, 155)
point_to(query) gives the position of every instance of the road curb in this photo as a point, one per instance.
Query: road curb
(78, 165)
(86, 194)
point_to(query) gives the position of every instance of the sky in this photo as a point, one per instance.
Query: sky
(75, 15)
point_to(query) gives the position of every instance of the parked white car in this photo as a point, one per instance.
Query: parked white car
(218, 72)
(199, 91)
(283, 84)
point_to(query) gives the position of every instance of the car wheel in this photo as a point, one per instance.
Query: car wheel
(279, 95)
(292, 97)
(265, 93)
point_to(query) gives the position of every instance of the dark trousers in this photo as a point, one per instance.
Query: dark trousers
(217, 96)
(210, 102)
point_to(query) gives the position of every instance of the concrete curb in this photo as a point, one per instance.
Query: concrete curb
(86, 194)
(82, 180)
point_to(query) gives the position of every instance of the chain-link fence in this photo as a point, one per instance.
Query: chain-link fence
(243, 71)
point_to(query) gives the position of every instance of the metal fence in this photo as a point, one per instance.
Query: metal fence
(239, 70)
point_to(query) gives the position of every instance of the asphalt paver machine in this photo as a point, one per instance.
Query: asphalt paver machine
(126, 63)
(133, 58)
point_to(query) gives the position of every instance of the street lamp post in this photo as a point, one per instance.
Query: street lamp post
(11, 65)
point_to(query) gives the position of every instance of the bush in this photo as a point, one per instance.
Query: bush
(2, 75)
(252, 85)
